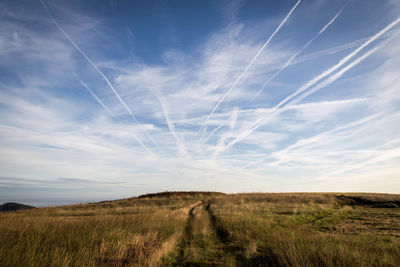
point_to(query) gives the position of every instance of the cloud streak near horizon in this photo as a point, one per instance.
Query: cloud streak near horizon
(141, 97)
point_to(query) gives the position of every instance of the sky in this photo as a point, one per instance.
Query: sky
(111, 99)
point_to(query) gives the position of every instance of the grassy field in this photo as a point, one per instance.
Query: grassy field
(203, 229)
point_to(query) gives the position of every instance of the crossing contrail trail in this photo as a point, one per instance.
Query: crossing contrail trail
(249, 65)
(340, 48)
(212, 132)
(105, 79)
(232, 124)
(104, 106)
(93, 94)
(181, 149)
(309, 84)
(339, 64)
(297, 53)
(335, 76)
(277, 111)
(381, 156)
(324, 52)
(314, 138)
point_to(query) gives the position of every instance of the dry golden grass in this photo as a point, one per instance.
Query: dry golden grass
(111, 233)
(310, 230)
(297, 229)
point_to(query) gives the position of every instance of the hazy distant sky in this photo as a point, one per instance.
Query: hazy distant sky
(109, 99)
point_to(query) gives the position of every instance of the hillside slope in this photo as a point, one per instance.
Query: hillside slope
(208, 228)
(12, 206)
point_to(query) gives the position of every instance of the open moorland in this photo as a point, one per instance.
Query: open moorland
(206, 228)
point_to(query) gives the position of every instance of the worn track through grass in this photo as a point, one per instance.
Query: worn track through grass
(233, 247)
(230, 252)
(187, 236)
(200, 243)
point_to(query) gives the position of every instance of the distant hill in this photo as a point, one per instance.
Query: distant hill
(12, 206)
(181, 194)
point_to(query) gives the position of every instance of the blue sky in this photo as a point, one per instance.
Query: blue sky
(110, 99)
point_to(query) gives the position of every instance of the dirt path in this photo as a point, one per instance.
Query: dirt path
(187, 235)
(205, 242)
(199, 244)
(230, 248)
(222, 234)
(234, 249)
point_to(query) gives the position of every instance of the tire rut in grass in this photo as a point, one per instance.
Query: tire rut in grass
(263, 258)
(199, 245)
(222, 234)
(187, 236)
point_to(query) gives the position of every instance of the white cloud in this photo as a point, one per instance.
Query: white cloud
(50, 126)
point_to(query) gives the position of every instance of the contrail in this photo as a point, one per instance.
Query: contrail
(314, 138)
(106, 109)
(103, 76)
(93, 94)
(310, 83)
(384, 156)
(234, 117)
(232, 124)
(164, 106)
(213, 131)
(340, 48)
(321, 85)
(339, 64)
(297, 53)
(249, 65)
(335, 76)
